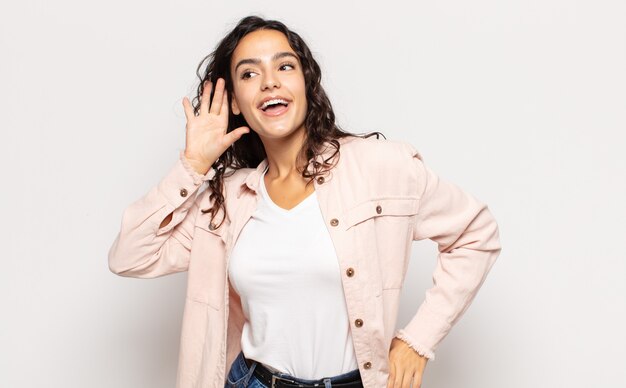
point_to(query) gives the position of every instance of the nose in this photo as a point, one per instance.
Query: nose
(270, 80)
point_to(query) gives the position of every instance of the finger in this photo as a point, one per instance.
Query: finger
(407, 378)
(398, 377)
(417, 381)
(235, 135)
(206, 94)
(216, 104)
(224, 108)
(188, 108)
(392, 375)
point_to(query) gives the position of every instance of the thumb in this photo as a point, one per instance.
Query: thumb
(236, 134)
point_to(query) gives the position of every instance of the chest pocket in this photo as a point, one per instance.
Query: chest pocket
(203, 221)
(390, 209)
(385, 227)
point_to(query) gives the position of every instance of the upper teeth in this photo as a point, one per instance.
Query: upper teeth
(274, 101)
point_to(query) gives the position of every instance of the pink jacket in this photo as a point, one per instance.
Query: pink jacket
(376, 201)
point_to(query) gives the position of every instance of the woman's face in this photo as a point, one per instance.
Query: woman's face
(264, 67)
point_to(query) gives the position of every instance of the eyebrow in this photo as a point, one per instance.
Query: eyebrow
(256, 61)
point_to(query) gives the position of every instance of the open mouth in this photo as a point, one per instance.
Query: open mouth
(274, 107)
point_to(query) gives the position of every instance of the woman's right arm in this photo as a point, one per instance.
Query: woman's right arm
(156, 231)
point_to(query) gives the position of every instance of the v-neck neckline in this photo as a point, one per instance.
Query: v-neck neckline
(274, 206)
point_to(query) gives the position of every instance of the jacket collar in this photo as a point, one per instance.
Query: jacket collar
(253, 178)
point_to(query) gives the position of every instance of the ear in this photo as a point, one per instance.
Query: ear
(234, 107)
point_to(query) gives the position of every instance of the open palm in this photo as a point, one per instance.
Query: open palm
(206, 137)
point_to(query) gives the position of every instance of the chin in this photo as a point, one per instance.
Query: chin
(277, 131)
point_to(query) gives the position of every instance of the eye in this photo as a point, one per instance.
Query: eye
(288, 65)
(246, 74)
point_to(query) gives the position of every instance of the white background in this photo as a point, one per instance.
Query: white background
(521, 103)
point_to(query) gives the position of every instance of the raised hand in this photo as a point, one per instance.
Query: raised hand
(206, 137)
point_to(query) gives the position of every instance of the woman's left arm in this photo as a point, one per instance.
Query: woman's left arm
(468, 241)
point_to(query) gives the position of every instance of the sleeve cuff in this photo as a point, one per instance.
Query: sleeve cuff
(424, 331)
(182, 182)
(197, 178)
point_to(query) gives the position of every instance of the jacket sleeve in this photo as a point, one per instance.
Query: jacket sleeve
(468, 241)
(142, 249)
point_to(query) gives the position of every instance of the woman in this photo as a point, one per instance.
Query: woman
(296, 253)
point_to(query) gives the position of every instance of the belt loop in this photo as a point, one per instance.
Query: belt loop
(327, 383)
(251, 369)
(254, 364)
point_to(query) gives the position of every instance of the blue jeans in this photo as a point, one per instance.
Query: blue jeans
(240, 376)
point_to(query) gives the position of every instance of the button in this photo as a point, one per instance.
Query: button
(316, 164)
(334, 222)
(358, 323)
(367, 365)
(350, 272)
(320, 180)
(183, 192)
(379, 209)
(212, 226)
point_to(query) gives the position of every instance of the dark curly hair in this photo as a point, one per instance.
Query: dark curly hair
(249, 151)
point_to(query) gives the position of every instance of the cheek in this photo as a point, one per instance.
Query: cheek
(302, 94)
(303, 98)
(243, 102)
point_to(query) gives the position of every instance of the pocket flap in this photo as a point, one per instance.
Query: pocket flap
(379, 207)
(203, 221)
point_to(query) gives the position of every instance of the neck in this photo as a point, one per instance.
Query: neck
(282, 153)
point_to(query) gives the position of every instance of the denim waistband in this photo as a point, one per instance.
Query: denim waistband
(353, 375)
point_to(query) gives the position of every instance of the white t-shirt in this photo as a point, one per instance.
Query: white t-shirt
(286, 272)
